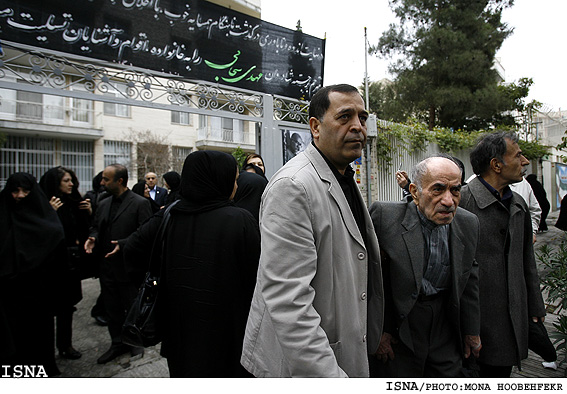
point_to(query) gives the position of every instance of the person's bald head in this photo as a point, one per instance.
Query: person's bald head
(151, 179)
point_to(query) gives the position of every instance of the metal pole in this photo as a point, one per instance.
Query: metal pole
(368, 166)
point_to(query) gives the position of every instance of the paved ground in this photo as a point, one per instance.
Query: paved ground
(93, 340)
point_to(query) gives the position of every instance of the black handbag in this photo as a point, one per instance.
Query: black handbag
(141, 327)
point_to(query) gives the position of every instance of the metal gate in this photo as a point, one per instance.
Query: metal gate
(31, 72)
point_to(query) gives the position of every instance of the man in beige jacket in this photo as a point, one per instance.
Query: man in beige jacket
(317, 308)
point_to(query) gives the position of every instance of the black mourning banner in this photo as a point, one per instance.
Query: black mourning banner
(194, 39)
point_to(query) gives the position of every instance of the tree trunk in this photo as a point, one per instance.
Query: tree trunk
(431, 117)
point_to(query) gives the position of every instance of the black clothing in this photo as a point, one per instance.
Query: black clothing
(31, 239)
(117, 288)
(249, 192)
(76, 227)
(173, 180)
(562, 219)
(211, 254)
(139, 189)
(541, 197)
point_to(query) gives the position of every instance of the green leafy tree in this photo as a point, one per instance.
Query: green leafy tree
(442, 55)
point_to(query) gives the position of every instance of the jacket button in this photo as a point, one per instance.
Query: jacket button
(364, 338)
(402, 316)
(503, 231)
(361, 256)
(363, 296)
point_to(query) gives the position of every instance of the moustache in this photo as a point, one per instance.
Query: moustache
(447, 209)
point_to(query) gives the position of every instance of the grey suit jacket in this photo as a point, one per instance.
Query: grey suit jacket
(402, 245)
(318, 303)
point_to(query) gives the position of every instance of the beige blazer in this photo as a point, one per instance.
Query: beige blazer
(317, 308)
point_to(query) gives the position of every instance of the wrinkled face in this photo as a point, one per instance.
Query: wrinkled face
(19, 194)
(108, 182)
(66, 185)
(235, 185)
(341, 133)
(441, 191)
(151, 179)
(513, 168)
(257, 162)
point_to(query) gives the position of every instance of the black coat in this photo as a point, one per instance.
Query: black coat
(211, 259)
(134, 210)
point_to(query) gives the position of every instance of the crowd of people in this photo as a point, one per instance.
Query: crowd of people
(291, 277)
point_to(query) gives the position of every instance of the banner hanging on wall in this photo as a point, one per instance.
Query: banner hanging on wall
(192, 39)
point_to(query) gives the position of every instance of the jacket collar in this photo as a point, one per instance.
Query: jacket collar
(334, 189)
(413, 238)
(485, 198)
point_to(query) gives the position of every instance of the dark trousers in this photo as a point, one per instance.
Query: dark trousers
(436, 346)
(64, 325)
(117, 297)
(492, 371)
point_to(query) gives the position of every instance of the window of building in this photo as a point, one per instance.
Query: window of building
(179, 154)
(37, 155)
(115, 109)
(183, 118)
(117, 152)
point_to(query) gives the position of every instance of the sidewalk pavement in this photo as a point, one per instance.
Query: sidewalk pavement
(93, 340)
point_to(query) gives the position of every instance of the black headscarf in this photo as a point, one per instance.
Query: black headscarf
(249, 192)
(173, 180)
(140, 188)
(29, 230)
(50, 184)
(256, 169)
(207, 181)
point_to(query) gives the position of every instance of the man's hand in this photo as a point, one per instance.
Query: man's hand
(472, 343)
(536, 319)
(89, 245)
(385, 350)
(114, 251)
(402, 178)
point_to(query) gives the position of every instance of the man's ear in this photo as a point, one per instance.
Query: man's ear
(414, 192)
(495, 165)
(314, 125)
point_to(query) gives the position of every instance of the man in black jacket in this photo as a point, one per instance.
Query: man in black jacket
(116, 218)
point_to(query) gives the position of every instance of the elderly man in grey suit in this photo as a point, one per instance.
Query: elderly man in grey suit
(318, 303)
(430, 277)
(509, 284)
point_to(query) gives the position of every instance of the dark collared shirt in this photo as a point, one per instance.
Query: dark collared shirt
(436, 270)
(506, 197)
(349, 189)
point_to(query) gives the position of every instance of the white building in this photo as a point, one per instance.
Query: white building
(43, 130)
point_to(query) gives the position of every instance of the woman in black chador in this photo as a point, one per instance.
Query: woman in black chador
(61, 187)
(173, 183)
(31, 240)
(210, 261)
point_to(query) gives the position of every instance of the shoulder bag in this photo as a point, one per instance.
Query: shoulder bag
(140, 328)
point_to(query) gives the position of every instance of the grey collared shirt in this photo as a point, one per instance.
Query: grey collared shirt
(436, 270)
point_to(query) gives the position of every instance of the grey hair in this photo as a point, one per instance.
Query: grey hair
(421, 168)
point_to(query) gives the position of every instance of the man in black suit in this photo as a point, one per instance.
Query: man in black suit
(158, 194)
(428, 245)
(116, 218)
